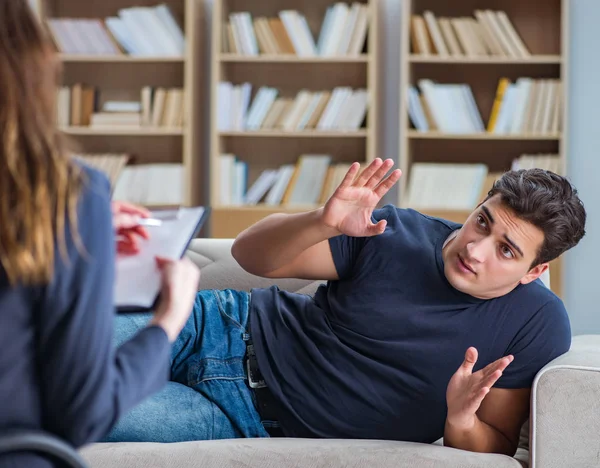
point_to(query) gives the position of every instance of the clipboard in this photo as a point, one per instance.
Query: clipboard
(137, 277)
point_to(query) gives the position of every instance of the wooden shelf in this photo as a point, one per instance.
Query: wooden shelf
(288, 74)
(301, 134)
(122, 77)
(491, 60)
(414, 134)
(292, 59)
(123, 131)
(119, 58)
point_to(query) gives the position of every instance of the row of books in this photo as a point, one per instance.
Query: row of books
(137, 31)
(528, 106)
(78, 105)
(461, 186)
(343, 32)
(151, 184)
(343, 108)
(311, 180)
(489, 32)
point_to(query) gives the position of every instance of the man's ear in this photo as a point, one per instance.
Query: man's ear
(534, 273)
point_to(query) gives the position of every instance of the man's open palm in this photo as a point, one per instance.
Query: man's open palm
(467, 390)
(350, 208)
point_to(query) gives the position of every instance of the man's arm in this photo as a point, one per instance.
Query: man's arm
(497, 425)
(287, 246)
(296, 245)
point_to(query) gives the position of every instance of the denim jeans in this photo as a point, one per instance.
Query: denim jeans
(207, 397)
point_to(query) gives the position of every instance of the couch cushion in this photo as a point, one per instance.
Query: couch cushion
(300, 453)
(219, 270)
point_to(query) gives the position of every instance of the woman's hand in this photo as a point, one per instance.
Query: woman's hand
(127, 229)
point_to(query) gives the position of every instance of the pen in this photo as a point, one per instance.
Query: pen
(149, 222)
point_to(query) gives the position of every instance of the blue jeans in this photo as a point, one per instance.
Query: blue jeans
(207, 397)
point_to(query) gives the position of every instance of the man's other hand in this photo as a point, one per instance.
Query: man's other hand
(466, 390)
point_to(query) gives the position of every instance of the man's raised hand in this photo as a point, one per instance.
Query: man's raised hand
(350, 208)
(466, 390)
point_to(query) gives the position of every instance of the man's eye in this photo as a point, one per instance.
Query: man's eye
(481, 220)
(506, 252)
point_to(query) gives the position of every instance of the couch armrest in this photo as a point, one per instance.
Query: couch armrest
(219, 270)
(565, 410)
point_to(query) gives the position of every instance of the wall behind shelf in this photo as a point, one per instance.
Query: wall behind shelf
(583, 142)
(583, 164)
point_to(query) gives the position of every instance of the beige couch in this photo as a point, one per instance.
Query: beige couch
(565, 416)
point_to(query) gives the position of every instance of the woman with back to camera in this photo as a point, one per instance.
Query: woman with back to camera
(59, 371)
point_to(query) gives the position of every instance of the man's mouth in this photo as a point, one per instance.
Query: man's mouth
(464, 265)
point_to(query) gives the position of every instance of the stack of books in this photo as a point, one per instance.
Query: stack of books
(137, 31)
(310, 181)
(157, 107)
(340, 109)
(343, 32)
(488, 33)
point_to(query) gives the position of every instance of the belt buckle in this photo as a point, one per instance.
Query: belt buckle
(253, 380)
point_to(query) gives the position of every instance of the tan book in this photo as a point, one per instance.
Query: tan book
(262, 24)
(88, 101)
(292, 183)
(76, 104)
(450, 37)
(327, 183)
(284, 42)
(464, 36)
(511, 33)
(264, 47)
(478, 36)
(502, 37)
(289, 107)
(231, 45)
(316, 115)
(274, 113)
(422, 35)
(158, 106)
(428, 114)
(435, 34)
(490, 37)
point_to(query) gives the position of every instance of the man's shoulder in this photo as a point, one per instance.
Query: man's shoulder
(412, 218)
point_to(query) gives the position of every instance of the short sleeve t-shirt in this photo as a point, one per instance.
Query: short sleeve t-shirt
(370, 356)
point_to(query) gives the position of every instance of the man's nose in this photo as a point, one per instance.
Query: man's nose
(477, 250)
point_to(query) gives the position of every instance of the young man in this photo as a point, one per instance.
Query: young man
(425, 328)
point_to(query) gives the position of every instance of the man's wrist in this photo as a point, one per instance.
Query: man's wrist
(328, 231)
(461, 424)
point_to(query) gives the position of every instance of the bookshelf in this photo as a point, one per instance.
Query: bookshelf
(119, 74)
(290, 71)
(469, 42)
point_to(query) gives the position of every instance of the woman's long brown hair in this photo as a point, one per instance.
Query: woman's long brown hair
(39, 183)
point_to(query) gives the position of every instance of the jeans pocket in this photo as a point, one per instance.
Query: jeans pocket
(223, 311)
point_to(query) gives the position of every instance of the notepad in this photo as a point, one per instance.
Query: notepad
(138, 279)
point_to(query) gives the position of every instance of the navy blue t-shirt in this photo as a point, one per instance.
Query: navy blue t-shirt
(59, 371)
(372, 354)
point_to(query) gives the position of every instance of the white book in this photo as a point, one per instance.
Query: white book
(224, 96)
(123, 36)
(171, 26)
(261, 186)
(325, 29)
(334, 37)
(348, 29)
(284, 175)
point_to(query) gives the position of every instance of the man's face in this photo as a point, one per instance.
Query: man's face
(493, 251)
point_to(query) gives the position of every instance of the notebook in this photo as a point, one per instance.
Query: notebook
(138, 279)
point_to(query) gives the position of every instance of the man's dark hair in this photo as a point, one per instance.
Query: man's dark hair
(549, 202)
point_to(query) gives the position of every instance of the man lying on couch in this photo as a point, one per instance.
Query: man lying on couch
(425, 328)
